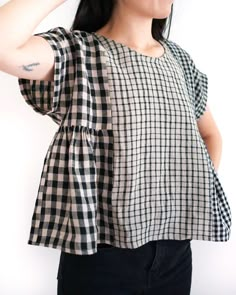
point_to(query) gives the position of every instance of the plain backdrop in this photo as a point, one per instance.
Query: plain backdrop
(206, 29)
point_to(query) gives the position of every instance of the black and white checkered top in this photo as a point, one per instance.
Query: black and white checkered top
(127, 164)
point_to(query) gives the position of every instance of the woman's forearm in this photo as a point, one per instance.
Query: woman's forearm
(19, 18)
(214, 147)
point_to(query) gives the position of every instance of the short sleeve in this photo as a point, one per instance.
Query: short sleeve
(196, 81)
(53, 98)
(200, 90)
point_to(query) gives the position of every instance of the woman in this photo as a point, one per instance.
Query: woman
(127, 181)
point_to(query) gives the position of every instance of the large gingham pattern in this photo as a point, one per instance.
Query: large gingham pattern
(86, 194)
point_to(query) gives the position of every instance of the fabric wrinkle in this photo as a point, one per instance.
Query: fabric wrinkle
(127, 164)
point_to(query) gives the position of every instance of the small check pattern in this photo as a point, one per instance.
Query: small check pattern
(127, 164)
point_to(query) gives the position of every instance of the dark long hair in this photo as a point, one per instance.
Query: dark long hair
(92, 15)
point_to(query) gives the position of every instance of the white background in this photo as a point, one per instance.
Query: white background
(206, 29)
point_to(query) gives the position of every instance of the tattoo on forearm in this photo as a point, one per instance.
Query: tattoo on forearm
(28, 68)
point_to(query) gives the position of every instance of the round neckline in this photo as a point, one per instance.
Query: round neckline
(113, 43)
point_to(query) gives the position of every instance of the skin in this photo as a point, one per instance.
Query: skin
(22, 54)
(130, 24)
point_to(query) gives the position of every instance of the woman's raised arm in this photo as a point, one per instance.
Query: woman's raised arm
(21, 54)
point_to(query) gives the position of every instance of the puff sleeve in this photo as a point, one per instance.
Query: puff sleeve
(53, 98)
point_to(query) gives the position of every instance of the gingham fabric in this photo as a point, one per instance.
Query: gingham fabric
(127, 164)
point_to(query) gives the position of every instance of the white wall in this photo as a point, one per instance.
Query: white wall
(206, 30)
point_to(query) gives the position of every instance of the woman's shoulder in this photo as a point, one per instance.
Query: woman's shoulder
(183, 56)
(177, 49)
(69, 37)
